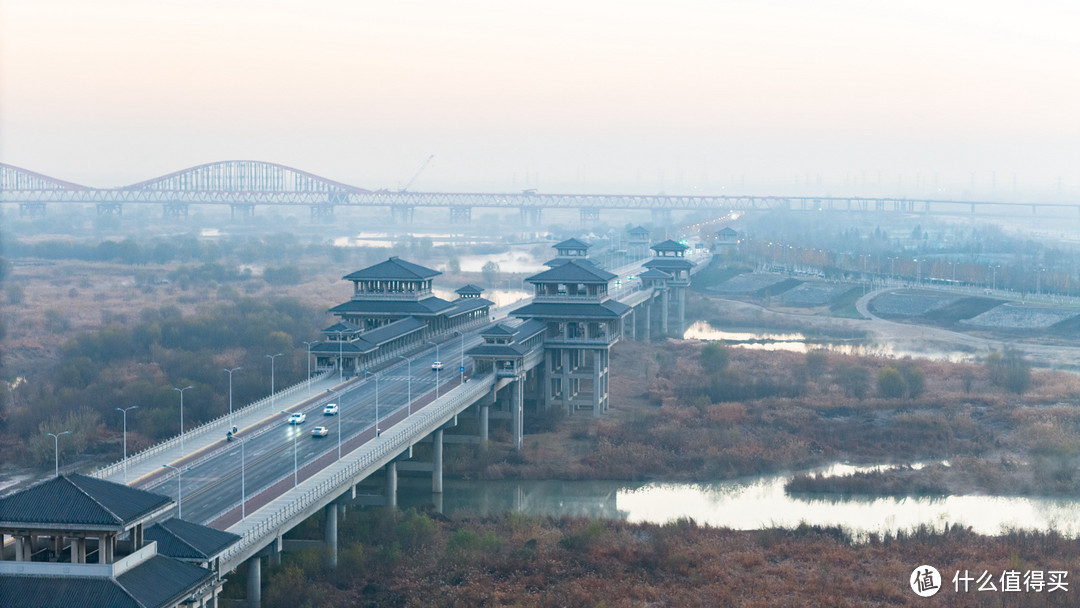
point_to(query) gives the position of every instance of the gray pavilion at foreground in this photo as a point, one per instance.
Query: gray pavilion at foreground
(81, 541)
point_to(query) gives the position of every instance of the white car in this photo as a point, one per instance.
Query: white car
(320, 431)
(330, 409)
(436, 365)
(298, 418)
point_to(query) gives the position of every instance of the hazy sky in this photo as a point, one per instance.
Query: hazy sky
(581, 95)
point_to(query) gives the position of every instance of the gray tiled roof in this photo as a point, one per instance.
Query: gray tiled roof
(162, 581)
(529, 329)
(58, 592)
(184, 540)
(653, 273)
(669, 245)
(393, 331)
(427, 307)
(571, 244)
(158, 582)
(639, 230)
(470, 288)
(498, 350)
(611, 309)
(573, 271)
(346, 347)
(468, 305)
(394, 268)
(344, 327)
(498, 330)
(79, 500)
(669, 264)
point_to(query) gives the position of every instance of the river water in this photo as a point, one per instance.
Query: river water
(750, 504)
(797, 342)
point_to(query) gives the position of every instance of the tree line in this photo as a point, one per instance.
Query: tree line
(140, 364)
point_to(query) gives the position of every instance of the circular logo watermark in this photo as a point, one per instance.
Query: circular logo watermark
(925, 581)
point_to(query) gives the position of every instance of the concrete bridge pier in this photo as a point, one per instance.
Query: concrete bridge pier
(275, 550)
(484, 413)
(646, 335)
(517, 409)
(436, 462)
(254, 582)
(330, 533)
(665, 310)
(680, 302)
(391, 484)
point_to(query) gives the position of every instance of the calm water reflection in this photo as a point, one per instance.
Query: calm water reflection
(750, 504)
(796, 342)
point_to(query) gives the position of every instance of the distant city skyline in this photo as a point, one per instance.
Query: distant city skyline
(955, 99)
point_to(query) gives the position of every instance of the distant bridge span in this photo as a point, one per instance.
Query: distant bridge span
(247, 183)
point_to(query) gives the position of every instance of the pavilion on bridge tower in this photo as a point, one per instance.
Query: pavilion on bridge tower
(670, 258)
(392, 310)
(582, 322)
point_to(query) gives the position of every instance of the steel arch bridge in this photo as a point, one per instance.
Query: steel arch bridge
(244, 184)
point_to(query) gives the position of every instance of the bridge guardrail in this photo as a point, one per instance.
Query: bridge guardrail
(417, 427)
(201, 429)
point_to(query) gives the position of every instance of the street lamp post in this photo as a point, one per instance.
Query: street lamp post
(273, 398)
(56, 450)
(230, 372)
(461, 364)
(309, 345)
(409, 361)
(181, 391)
(124, 410)
(294, 464)
(179, 491)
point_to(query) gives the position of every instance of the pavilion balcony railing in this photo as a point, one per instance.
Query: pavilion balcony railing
(407, 296)
(561, 297)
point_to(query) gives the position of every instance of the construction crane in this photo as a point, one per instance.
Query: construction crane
(423, 166)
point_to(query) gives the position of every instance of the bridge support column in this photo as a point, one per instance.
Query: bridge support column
(322, 214)
(175, 210)
(330, 533)
(436, 462)
(590, 216)
(402, 214)
(484, 424)
(244, 210)
(665, 310)
(600, 382)
(680, 302)
(633, 324)
(254, 582)
(460, 215)
(646, 335)
(517, 410)
(276, 548)
(530, 216)
(391, 484)
(116, 209)
(32, 209)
